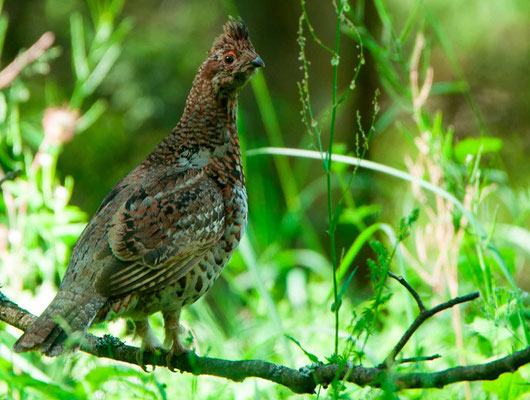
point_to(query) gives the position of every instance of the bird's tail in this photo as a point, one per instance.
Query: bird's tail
(66, 312)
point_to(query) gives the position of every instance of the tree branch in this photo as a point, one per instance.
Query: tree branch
(21, 61)
(421, 318)
(304, 380)
(414, 294)
(10, 175)
(419, 359)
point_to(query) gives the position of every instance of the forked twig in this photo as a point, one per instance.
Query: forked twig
(421, 318)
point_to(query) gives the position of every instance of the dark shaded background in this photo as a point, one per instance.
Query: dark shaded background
(147, 88)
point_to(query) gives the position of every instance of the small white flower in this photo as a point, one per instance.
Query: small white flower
(59, 124)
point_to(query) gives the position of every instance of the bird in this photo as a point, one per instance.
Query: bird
(164, 233)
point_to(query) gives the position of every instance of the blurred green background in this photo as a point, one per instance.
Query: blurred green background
(470, 138)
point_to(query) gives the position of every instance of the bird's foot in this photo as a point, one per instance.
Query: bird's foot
(177, 349)
(172, 342)
(150, 343)
(140, 355)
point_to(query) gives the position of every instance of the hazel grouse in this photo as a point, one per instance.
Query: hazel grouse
(163, 234)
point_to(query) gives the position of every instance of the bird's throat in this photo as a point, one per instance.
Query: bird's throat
(209, 115)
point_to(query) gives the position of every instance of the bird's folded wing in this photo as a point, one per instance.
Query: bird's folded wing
(160, 232)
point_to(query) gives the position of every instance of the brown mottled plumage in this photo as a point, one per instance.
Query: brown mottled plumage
(164, 233)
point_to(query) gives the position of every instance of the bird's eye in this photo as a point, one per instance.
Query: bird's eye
(229, 57)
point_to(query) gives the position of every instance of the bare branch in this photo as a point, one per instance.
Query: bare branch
(10, 175)
(20, 62)
(304, 380)
(419, 359)
(414, 294)
(420, 319)
(480, 372)
(374, 377)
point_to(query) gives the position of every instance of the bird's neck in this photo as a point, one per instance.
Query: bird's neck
(208, 117)
(206, 136)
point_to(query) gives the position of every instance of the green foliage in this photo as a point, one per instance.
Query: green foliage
(508, 386)
(309, 355)
(471, 147)
(321, 236)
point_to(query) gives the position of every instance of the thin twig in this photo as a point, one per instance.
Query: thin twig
(304, 380)
(414, 294)
(20, 62)
(418, 359)
(10, 175)
(420, 319)
(312, 30)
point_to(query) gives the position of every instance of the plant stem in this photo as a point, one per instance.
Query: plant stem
(335, 62)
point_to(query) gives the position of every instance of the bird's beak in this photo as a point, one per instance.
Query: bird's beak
(258, 62)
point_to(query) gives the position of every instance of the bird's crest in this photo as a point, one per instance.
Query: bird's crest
(235, 30)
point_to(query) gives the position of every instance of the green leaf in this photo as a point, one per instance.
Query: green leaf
(78, 47)
(311, 356)
(3, 107)
(379, 249)
(95, 111)
(440, 88)
(342, 290)
(100, 375)
(3, 29)
(359, 214)
(474, 146)
(102, 68)
(406, 223)
(357, 245)
(336, 218)
(46, 390)
(508, 386)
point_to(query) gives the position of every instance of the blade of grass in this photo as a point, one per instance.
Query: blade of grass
(251, 261)
(357, 244)
(411, 20)
(78, 47)
(274, 134)
(3, 29)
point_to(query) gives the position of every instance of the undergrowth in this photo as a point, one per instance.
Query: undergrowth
(306, 286)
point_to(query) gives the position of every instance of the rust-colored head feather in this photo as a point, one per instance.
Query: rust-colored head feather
(232, 59)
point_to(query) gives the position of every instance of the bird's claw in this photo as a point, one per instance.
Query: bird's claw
(149, 343)
(169, 362)
(140, 358)
(176, 350)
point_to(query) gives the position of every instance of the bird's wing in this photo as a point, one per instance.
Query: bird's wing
(160, 232)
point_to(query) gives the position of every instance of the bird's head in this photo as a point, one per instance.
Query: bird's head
(232, 60)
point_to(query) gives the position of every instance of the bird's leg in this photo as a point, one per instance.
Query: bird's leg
(149, 341)
(172, 342)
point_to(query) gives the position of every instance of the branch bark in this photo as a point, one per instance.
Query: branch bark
(20, 62)
(303, 380)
